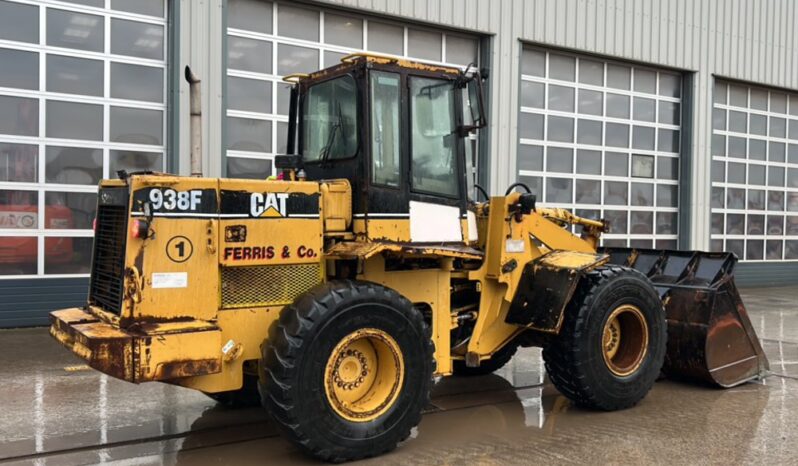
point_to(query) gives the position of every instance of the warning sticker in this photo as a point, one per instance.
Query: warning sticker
(170, 280)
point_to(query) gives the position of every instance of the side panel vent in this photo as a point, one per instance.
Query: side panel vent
(267, 285)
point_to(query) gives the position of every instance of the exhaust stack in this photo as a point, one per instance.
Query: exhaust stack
(196, 122)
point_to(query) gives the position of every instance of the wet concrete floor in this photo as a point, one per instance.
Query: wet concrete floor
(56, 411)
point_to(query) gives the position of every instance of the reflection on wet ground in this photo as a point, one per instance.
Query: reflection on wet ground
(56, 411)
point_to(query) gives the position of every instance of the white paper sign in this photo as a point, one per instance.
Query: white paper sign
(170, 280)
(514, 245)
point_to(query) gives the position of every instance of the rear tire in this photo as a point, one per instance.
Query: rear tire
(489, 366)
(311, 380)
(611, 346)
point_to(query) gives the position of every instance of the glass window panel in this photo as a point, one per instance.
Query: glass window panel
(619, 76)
(343, 30)
(588, 191)
(136, 125)
(778, 127)
(718, 144)
(135, 82)
(792, 153)
(778, 102)
(249, 95)
(559, 190)
(19, 162)
(385, 123)
(618, 220)
(644, 109)
(19, 22)
(559, 159)
(756, 199)
(670, 85)
(143, 40)
(735, 198)
(642, 166)
(666, 244)
(716, 227)
(792, 177)
(283, 98)
(738, 121)
(773, 249)
(19, 209)
(530, 125)
(247, 134)
(73, 165)
(134, 161)
(794, 104)
(759, 99)
(643, 137)
(669, 112)
(294, 59)
(735, 246)
(424, 44)
(735, 224)
(754, 249)
(69, 211)
(75, 75)
(776, 200)
(616, 164)
(645, 81)
(534, 183)
(72, 120)
(75, 30)
(667, 168)
(296, 22)
(776, 224)
(19, 69)
(588, 162)
(719, 94)
(533, 62)
(532, 94)
(530, 157)
(255, 169)
(759, 124)
(142, 7)
(792, 225)
(433, 122)
(718, 198)
(756, 225)
(667, 195)
(617, 135)
(791, 249)
(736, 173)
(281, 133)
(718, 118)
(668, 140)
(756, 174)
(560, 129)
(757, 148)
(65, 255)
(792, 202)
(19, 116)
(561, 98)
(562, 67)
(249, 54)
(718, 171)
(591, 102)
(642, 223)
(386, 38)
(793, 133)
(591, 72)
(617, 105)
(589, 132)
(616, 193)
(250, 15)
(642, 194)
(461, 50)
(775, 176)
(738, 95)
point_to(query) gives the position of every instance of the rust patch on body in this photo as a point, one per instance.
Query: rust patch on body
(188, 368)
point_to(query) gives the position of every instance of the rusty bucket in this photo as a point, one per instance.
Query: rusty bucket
(710, 337)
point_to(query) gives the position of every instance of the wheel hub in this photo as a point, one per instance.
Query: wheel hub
(625, 340)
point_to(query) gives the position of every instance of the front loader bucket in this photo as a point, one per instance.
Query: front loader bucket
(710, 337)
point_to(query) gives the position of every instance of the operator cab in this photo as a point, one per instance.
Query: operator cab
(397, 131)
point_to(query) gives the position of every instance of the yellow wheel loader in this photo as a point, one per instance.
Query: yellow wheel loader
(336, 294)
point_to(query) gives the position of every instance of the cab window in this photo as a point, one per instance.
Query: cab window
(384, 96)
(329, 120)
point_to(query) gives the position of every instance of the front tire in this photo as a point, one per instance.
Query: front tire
(348, 370)
(611, 346)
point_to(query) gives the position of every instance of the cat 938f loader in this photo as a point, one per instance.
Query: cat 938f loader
(335, 294)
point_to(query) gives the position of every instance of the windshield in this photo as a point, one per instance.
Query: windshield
(329, 120)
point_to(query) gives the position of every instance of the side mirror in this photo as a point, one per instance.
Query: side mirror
(475, 103)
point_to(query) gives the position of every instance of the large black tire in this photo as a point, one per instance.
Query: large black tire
(292, 382)
(575, 359)
(489, 366)
(245, 397)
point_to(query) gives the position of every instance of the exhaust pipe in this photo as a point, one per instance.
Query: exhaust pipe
(196, 122)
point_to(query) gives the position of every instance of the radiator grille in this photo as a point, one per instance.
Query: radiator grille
(108, 260)
(267, 285)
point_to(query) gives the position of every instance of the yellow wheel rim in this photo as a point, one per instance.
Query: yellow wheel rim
(625, 340)
(364, 375)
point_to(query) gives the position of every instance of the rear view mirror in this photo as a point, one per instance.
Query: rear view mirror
(474, 87)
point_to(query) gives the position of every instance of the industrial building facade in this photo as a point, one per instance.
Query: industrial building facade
(676, 120)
